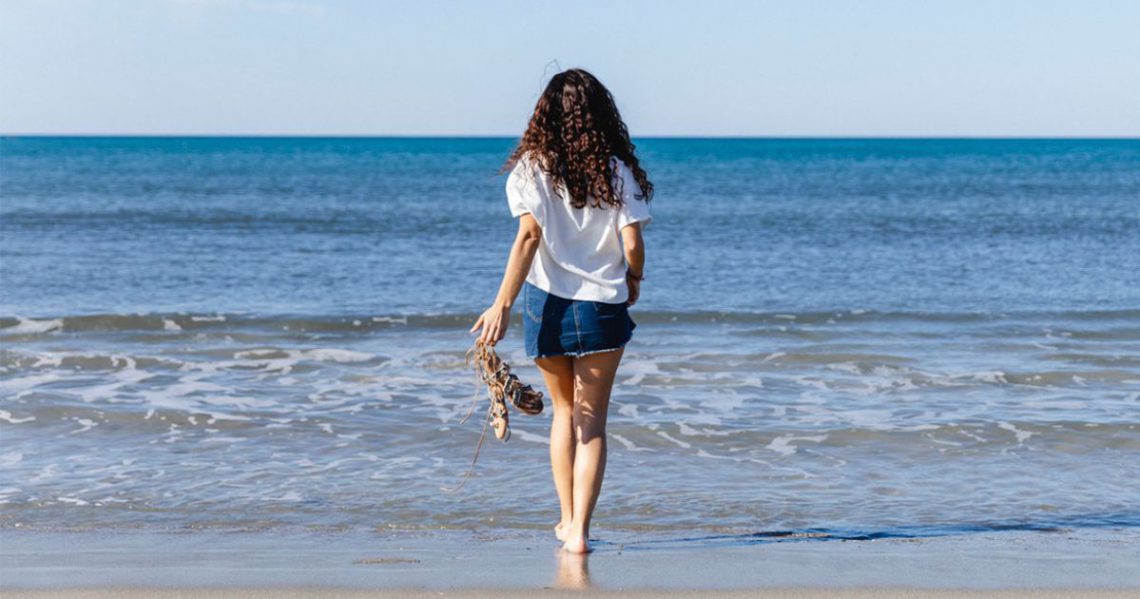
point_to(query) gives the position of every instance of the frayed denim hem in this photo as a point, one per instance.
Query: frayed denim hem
(579, 354)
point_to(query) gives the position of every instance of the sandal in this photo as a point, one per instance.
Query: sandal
(501, 384)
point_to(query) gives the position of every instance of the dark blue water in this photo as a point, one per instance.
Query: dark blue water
(877, 336)
(335, 226)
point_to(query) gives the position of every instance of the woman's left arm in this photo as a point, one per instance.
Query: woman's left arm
(496, 318)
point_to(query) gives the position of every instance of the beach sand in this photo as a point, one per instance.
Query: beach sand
(775, 593)
(1059, 563)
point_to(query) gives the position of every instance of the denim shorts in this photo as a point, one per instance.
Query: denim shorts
(556, 326)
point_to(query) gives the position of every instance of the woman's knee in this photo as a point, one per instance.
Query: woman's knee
(589, 427)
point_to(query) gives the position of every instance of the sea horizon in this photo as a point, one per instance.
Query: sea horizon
(933, 137)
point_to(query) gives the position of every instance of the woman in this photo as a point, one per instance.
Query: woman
(581, 197)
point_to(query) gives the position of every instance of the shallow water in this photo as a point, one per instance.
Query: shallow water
(856, 338)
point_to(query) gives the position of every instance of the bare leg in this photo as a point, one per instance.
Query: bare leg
(558, 373)
(593, 381)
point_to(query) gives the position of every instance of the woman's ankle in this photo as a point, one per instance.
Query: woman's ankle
(576, 544)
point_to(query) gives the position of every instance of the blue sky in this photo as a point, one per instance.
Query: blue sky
(713, 67)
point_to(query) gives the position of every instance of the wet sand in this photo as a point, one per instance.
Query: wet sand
(193, 564)
(776, 593)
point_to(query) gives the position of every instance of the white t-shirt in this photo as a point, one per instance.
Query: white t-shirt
(581, 254)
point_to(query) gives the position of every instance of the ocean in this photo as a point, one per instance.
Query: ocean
(837, 338)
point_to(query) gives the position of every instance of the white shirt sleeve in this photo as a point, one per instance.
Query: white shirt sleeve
(634, 208)
(520, 190)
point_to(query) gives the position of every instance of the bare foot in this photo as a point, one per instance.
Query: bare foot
(560, 530)
(576, 543)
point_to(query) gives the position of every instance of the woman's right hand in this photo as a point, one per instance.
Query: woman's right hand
(634, 289)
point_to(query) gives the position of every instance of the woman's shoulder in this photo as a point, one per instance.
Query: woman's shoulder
(529, 163)
(624, 175)
(621, 171)
(525, 172)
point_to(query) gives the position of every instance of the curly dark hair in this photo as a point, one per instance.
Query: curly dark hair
(575, 130)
